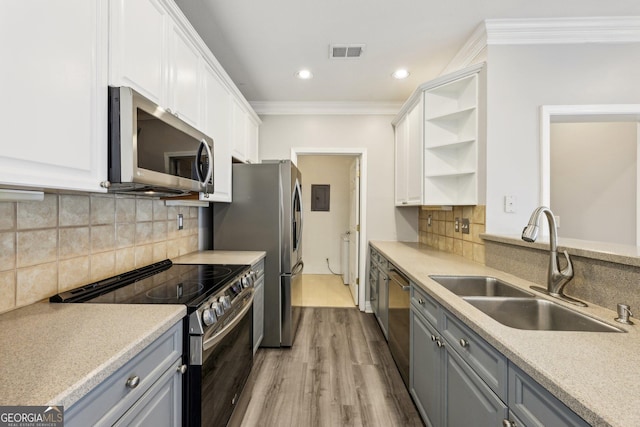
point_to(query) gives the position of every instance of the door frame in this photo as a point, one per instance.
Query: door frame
(362, 154)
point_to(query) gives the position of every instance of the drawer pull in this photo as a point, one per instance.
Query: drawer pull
(133, 382)
(434, 338)
(508, 423)
(420, 301)
(440, 344)
(464, 343)
(182, 369)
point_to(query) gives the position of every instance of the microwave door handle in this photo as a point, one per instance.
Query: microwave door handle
(205, 180)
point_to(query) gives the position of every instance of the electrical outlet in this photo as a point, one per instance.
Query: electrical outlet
(465, 226)
(180, 222)
(429, 221)
(456, 225)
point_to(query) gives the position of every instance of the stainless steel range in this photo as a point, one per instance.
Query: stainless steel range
(218, 327)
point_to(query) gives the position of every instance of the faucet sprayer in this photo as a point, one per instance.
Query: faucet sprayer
(556, 278)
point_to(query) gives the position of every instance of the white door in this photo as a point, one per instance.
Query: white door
(354, 227)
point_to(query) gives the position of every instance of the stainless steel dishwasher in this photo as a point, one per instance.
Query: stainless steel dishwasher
(399, 304)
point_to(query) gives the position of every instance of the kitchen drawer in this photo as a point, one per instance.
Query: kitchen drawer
(424, 304)
(485, 360)
(109, 400)
(535, 406)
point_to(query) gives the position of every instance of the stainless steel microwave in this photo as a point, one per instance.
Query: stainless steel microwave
(152, 151)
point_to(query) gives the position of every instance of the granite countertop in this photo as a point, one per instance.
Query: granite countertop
(221, 257)
(594, 374)
(54, 354)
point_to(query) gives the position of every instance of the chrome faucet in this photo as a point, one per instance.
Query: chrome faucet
(556, 278)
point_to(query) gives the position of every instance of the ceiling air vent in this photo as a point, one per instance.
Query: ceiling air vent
(346, 51)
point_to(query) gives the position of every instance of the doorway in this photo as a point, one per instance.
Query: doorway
(334, 234)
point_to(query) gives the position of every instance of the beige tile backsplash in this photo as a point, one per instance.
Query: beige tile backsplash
(441, 233)
(69, 240)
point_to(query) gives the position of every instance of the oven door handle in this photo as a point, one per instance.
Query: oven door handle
(227, 329)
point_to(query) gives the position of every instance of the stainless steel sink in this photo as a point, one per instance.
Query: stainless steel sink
(537, 314)
(481, 286)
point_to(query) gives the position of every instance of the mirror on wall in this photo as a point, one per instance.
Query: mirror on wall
(590, 177)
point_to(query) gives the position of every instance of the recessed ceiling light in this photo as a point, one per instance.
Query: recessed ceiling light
(400, 74)
(304, 74)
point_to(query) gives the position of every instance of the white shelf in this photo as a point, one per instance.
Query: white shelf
(451, 143)
(459, 189)
(448, 144)
(446, 174)
(454, 115)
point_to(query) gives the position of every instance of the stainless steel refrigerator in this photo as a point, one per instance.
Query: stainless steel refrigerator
(266, 215)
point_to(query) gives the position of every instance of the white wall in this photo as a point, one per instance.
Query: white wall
(278, 134)
(593, 180)
(522, 78)
(321, 234)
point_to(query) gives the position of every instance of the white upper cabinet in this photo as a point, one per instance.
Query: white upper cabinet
(54, 118)
(152, 54)
(409, 158)
(184, 67)
(216, 118)
(137, 57)
(440, 142)
(244, 135)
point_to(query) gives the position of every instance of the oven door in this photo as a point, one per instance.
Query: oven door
(227, 358)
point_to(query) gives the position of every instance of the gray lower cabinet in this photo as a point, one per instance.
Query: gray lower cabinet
(425, 382)
(147, 390)
(446, 390)
(532, 405)
(379, 289)
(458, 379)
(258, 305)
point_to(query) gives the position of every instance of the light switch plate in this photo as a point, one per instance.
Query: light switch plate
(509, 204)
(180, 222)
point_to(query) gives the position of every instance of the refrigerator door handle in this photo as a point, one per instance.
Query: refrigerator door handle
(297, 269)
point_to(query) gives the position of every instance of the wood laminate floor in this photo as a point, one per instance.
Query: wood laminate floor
(339, 372)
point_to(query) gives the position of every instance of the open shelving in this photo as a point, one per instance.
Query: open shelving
(451, 142)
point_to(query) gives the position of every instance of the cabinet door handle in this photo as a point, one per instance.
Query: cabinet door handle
(133, 382)
(464, 343)
(435, 338)
(182, 369)
(440, 344)
(420, 301)
(508, 423)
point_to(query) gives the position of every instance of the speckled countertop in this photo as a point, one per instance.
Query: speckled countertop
(54, 354)
(221, 257)
(597, 375)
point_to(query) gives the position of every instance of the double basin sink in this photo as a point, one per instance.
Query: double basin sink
(518, 308)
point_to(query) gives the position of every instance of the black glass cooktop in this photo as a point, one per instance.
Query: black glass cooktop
(159, 283)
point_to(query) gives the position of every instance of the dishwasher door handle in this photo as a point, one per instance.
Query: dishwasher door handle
(392, 274)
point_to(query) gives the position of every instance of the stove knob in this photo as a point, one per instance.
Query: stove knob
(217, 308)
(225, 301)
(245, 281)
(209, 317)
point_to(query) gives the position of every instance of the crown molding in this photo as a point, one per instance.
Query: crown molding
(614, 29)
(611, 29)
(472, 48)
(325, 108)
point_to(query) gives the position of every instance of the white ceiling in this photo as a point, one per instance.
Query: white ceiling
(262, 43)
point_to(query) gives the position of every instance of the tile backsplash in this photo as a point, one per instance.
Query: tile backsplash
(66, 241)
(441, 234)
